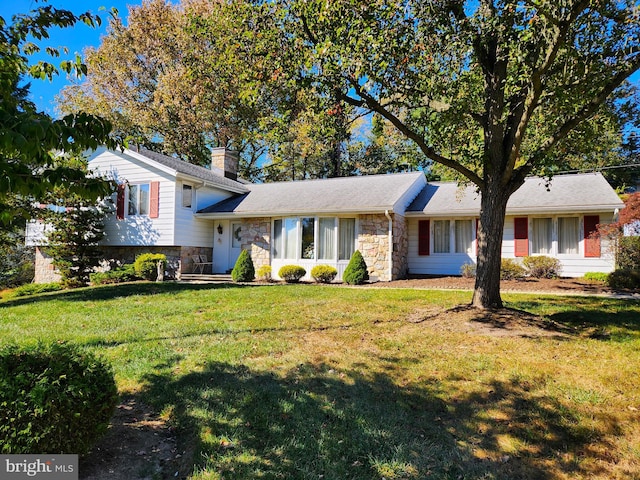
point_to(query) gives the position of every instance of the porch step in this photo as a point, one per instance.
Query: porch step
(205, 277)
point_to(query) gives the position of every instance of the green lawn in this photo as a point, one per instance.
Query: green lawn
(315, 382)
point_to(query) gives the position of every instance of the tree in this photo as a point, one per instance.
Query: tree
(491, 89)
(30, 141)
(75, 226)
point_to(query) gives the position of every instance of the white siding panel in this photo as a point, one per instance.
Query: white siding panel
(138, 230)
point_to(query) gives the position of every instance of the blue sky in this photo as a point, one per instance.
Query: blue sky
(75, 39)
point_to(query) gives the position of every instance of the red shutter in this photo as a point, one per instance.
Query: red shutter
(591, 236)
(521, 236)
(120, 198)
(477, 229)
(423, 237)
(154, 200)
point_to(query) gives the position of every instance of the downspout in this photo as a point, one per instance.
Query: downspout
(386, 214)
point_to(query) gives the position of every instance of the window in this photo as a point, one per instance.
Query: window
(138, 203)
(326, 238)
(347, 238)
(236, 235)
(542, 236)
(568, 235)
(187, 196)
(314, 238)
(441, 236)
(464, 236)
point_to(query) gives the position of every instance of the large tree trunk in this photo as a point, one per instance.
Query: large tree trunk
(490, 231)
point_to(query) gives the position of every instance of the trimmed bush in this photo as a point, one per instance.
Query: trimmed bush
(53, 399)
(324, 273)
(35, 288)
(146, 265)
(628, 253)
(243, 270)
(510, 269)
(624, 279)
(264, 273)
(596, 276)
(542, 266)
(291, 273)
(126, 273)
(356, 272)
(468, 270)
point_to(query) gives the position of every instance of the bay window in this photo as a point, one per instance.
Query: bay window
(314, 238)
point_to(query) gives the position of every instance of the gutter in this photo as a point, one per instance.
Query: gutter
(386, 214)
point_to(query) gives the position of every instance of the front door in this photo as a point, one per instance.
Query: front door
(221, 246)
(236, 242)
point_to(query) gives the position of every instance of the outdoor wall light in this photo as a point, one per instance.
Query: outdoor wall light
(220, 229)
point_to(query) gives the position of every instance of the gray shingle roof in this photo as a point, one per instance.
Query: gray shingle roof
(373, 193)
(185, 168)
(566, 193)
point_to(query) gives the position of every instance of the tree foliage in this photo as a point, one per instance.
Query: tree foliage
(30, 140)
(492, 89)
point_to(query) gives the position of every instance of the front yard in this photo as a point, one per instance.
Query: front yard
(315, 382)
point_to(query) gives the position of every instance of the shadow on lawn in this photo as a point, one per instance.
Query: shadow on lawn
(315, 422)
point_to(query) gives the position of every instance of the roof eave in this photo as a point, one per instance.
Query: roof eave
(247, 214)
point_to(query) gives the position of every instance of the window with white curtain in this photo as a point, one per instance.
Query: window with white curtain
(314, 238)
(464, 236)
(347, 238)
(441, 236)
(326, 238)
(541, 241)
(568, 235)
(138, 199)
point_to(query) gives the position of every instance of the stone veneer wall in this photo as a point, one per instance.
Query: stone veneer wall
(373, 243)
(44, 270)
(256, 238)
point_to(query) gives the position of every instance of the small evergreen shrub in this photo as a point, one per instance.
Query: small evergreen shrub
(264, 273)
(126, 273)
(146, 265)
(243, 270)
(542, 266)
(35, 288)
(624, 279)
(291, 273)
(510, 269)
(356, 272)
(468, 270)
(53, 399)
(324, 273)
(596, 277)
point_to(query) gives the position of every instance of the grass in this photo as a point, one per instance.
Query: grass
(309, 382)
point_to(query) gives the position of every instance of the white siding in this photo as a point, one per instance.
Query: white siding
(192, 231)
(450, 264)
(138, 230)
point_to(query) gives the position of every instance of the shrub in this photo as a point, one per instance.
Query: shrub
(596, 276)
(542, 266)
(146, 265)
(324, 273)
(243, 270)
(126, 273)
(620, 279)
(510, 269)
(356, 272)
(35, 288)
(468, 270)
(264, 273)
(628, 253)
(54, 399)
(291, 273)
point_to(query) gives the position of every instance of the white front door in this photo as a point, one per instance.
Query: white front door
(221, 246)
(227, 245)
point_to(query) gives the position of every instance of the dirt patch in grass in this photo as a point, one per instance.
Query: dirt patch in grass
(504, 322)
(138, 445)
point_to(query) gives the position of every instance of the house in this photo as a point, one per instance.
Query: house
(401, 224)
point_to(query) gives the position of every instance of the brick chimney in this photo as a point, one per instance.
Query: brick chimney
(224, 162)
